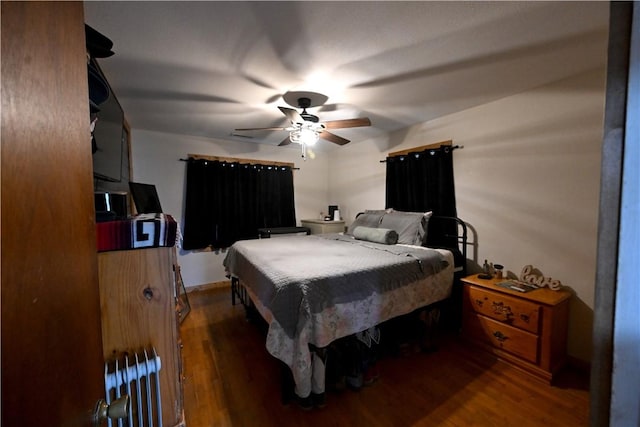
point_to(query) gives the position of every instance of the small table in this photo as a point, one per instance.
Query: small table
(265, 233)
(319, 226)
(528, 330)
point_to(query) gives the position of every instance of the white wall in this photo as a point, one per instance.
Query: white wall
(527, 183)
(156, 161)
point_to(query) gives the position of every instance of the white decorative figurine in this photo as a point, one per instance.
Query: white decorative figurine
(533, 276)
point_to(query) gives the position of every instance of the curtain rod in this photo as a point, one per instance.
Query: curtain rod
(266, 164)
(452, 147)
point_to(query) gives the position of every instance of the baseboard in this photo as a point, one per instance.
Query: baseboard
(209, 286)
(579, 365)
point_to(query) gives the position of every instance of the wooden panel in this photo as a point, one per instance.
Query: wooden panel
(502, 336)
(513, 311)
(435, 145)
(137, 294)
(240, 160)
(553, 345)
(52, 367)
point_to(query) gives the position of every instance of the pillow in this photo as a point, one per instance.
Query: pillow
(367, 219)
(376, 235)
(410, 226)
(378, 211)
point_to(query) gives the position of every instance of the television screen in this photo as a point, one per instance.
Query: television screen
(109, 140)
(145, 197)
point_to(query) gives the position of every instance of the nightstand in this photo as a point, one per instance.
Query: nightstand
(318, 226)
(527, 330)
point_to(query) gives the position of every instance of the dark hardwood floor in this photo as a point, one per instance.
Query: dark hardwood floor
(231, 380)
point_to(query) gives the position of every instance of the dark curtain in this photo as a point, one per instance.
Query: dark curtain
(226, 202)
(421, 182)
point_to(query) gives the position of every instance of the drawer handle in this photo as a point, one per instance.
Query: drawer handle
(525, 318)
(500, 336)
(502, 310)
(479, 303)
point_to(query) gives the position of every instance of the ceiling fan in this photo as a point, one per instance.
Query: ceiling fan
(306, 128)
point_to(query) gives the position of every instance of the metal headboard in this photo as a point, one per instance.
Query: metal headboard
(450, 232)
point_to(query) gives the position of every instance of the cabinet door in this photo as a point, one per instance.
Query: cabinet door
(52, 367)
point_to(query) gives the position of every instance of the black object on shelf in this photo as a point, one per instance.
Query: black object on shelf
(145, 197)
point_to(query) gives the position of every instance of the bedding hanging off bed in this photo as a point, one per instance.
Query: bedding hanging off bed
(316, 289)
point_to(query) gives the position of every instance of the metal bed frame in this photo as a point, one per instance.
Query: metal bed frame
(444, 232)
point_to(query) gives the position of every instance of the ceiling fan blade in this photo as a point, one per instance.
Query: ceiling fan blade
(292, 115)
(333, 138)
(285, 141)
(248, 129)
(347, 123)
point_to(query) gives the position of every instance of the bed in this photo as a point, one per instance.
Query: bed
(312, 290)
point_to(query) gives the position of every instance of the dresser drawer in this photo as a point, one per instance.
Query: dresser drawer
(513, 311)
(499, 335)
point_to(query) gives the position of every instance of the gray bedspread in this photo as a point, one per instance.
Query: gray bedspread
(297, 276)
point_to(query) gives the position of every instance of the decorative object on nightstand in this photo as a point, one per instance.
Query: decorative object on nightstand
(486, 271)
(499, 269)
(332, 213)
(526, 329)
(533, 276)
(323, 227)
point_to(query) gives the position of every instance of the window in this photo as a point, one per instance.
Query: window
(422, 181)
(228, 201)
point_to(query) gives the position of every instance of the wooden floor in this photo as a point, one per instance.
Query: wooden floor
(231, 380)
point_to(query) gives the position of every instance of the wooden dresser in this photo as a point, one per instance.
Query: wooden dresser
(138, 290)
(318, 226)
(527, 330)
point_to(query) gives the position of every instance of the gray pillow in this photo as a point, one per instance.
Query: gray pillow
(410, 226)
(376, 235)
(367, 219)
(378, 211)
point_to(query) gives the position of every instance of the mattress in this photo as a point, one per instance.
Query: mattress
(316, 289)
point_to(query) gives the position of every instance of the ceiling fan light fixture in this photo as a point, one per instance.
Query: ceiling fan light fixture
(306, 128)
(304, 136)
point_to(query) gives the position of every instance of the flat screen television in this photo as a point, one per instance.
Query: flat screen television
(109, 139)
(145, 197)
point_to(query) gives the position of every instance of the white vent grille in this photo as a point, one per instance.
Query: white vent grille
(137, 377)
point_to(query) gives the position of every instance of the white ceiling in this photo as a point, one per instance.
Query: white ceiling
(206, 68)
